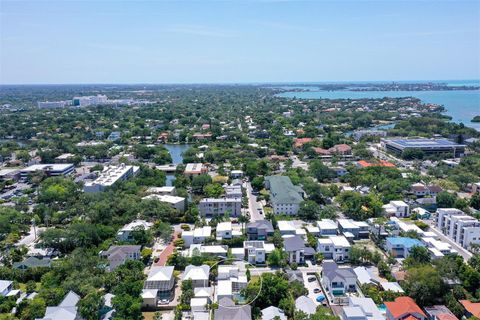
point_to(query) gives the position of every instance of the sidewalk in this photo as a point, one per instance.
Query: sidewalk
(167, 251)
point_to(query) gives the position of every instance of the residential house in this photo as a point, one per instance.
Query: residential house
(327, 227)
(404, 308)
(213, 250)
(439, 312)
(236, 174)
(422, 190)
(118, 255)
(472, 309)
(400, 247)
(225, 230)
(366, 276)
(338, 281)
(227, 310)
(294, 275)
(198, 274)
(353, 229)
(334, 247)
(295, 249)
(259, 230)
(397, 208)
(286, 227)
(159, 284)
(126, 233)
(361, 309)
(196, 236)
(175, 202)
(32, 262)
(255, 251)
(5, 287)
(271, 313)
(232, 273)
(66, 310)
(305, 304)
(195, 169)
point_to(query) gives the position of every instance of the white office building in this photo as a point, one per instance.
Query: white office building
(458, 226)
(109, 176)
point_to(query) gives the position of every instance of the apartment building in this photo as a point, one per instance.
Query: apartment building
(210, 207)
(458, 226)
(284, 196)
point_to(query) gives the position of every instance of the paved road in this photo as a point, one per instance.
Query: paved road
(29, 239)
(253, 204)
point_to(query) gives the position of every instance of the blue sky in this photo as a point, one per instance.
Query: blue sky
(108, 41)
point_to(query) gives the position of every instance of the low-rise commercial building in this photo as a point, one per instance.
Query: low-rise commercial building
(427, 146)
(50, 170)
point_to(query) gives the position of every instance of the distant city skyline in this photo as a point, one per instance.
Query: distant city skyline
(274, 41)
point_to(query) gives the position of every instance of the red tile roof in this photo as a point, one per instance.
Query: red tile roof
(403, 306)
(298, 142)
(473, 308)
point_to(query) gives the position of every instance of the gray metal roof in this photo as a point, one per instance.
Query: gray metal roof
(282, 190)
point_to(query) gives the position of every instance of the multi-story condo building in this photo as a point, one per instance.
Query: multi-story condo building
(458, 226)
(284, 196)
(110, 176)
(210, 207)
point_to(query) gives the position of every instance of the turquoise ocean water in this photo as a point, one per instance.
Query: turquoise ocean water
(461, 105)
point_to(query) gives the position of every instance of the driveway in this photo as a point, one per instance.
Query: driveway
(163, 257)
(311, 286)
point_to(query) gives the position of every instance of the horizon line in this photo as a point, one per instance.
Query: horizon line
(231, 82)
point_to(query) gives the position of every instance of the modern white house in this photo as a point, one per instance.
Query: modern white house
(255, 251)
(210, 207)
(397, 208)
(196, 236)
(109, 177)
(286, 227)
(198, 274)
(165, 190)
(458, 226)
(236, 276)
(126, 232)
(336, 248)
(327, 227)
(225, 230)
(361, 309)
(353, 229)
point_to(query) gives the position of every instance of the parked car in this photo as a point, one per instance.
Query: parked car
(312, 279)
(316, 290)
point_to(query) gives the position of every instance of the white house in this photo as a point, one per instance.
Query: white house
(361, 309)
(327, 227)
(174, 201)
(255, 251)
(5, 287)
(225, 230)
(334, 247)
(199, 275)
(125, 233)
(397, 208)
(196, 236)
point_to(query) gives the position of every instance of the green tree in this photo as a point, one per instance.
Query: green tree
(309, 210)
(277, 258)
(445, 200)
(90, 305)
(424, 284)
